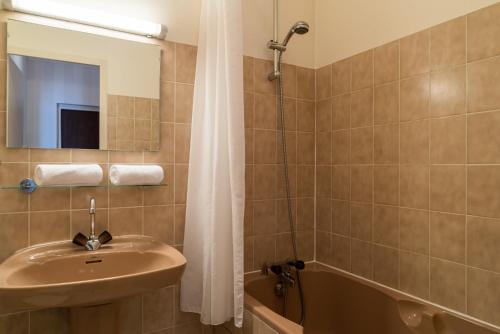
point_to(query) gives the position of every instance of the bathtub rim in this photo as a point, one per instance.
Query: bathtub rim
(283, 325)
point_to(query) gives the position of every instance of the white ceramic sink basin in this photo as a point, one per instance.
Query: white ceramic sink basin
(62, 275)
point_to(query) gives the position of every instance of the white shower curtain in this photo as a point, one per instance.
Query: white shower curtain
(213, 241)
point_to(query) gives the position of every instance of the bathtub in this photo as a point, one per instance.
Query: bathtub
(338, 302)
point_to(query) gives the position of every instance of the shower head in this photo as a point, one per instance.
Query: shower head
(299, 27)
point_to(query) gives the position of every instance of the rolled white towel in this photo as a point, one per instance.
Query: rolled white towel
(129, 175)
(68, 174)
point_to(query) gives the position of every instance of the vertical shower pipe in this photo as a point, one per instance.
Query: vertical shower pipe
(276, 52)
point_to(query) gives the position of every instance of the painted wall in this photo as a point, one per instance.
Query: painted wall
(345, 28)
(182, 20)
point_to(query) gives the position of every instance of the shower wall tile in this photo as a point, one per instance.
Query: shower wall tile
(415, 164)
(267, 229)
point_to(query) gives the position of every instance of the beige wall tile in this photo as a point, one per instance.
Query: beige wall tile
(305, 115)
(448, 140)
(167, 61)
(362, 145)
(341, 111)
(167, 95)
(264, 181)
(414, 230)
(448, 188)
(323, 147)
(414, 274)
(13, 201)
(414, 142)
(448, 92)
(305, 148)
(447, 284)
(414, 54)
(386, 144)
(324, 82)
(183, 103)
(483, 183)
(448, 43)
(386, 103)
(305, 181)
(341, 217)
(125, 221)
(324, 181)
(248, 68)
(447, 236)
(14, 234)
(265, 112)
(323, 246)
(305, 214)
(483, 145)
(341, 257)
(289, 77)
(414, 98)
(386, 225)
(483, 82)
(414, 186)
(340, 147)
(361, 221)
(482, 243)
(386, 62)
(361, 258)
(341, 187)
(265, 146)
(342, 77)
(49, 226)
(386, 185)
(324, 214)
(305, 83)
(483, 28)
(50, 199)
(362, 70)
(324, 115)
(181, 176)
(159, 223)
(483, 295)
(386, 266)
(362, 108)
(361, 183)
(264, 215)
(185, 63)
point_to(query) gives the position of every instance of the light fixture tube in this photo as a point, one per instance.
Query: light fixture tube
(61, 11)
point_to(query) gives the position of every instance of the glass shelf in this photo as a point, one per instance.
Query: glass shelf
(29, 186)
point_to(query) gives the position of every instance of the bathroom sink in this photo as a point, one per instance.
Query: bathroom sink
(61, 274)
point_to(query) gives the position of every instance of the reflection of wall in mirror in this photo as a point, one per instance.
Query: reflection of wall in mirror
(48, 83)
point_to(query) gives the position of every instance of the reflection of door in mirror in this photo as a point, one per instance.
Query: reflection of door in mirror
(78, 126)
(53, 104)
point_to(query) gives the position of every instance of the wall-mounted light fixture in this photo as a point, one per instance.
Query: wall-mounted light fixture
(61, 11)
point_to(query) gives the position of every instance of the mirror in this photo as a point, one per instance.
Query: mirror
(70, 89)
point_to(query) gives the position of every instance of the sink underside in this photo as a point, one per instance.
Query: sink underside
(61, 274)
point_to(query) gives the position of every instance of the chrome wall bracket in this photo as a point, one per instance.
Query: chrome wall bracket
(28, 186)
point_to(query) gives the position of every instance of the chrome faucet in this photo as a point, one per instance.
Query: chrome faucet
(93, 242)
